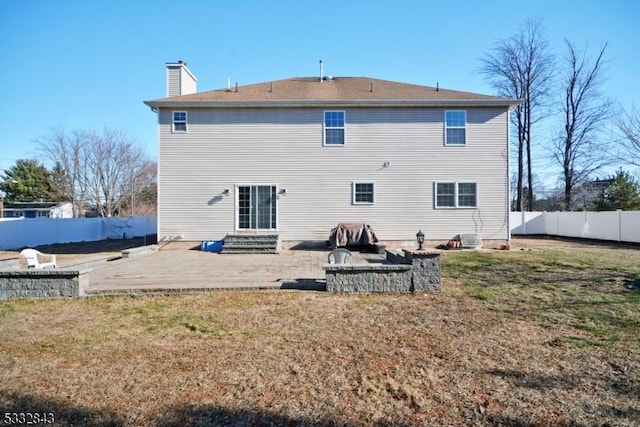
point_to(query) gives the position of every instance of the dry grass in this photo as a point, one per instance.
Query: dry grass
(531, 337)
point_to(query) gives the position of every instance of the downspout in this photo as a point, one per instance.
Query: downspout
(508, 179)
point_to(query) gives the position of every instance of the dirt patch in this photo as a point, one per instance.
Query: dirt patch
(67, 252)
(101, 246)
(545, 242)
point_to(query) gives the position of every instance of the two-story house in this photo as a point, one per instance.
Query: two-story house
(300, 155)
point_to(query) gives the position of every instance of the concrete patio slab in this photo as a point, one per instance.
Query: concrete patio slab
(191, 270)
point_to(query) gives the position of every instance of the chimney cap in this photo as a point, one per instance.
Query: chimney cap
(180, 62)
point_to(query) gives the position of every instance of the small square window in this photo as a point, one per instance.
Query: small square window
(334, 122)
(455, 127)
(363, 193)
(179, 121)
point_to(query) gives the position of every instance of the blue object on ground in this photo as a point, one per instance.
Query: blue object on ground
(212, 245)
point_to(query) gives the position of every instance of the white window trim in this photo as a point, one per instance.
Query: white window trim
(237, 205)
(173, 122)
(324, 129)
(446, 143)
(353, 193)
(435, 194)
(455, 195)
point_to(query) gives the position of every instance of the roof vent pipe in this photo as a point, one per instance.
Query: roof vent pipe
(321, 70)
(228, 84)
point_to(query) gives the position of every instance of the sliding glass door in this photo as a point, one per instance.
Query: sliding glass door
(257, 207)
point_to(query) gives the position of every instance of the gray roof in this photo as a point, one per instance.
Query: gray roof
(344, 91)
(32, 205)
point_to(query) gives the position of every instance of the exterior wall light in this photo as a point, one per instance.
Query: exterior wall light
(420, 237)
(226, 191)
(283, 191)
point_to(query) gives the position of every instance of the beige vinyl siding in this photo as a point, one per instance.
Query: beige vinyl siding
(174, 81)
(284, 147)
(187, 84)
(179, 81)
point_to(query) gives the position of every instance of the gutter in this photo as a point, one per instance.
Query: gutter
(408, 103)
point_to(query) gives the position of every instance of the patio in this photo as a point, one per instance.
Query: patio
(191, 270)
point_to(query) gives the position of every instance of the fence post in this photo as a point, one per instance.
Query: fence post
(619, 225)
(585, 225)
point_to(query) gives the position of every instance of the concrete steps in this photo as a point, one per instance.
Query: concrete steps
(251, 244)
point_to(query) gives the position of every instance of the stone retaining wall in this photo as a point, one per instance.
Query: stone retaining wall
(31, 283)
(368, 278)
(410, 271)
(426, 272)
(138, 251)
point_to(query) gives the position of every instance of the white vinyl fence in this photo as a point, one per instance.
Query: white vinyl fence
(619, 226)
(28, 232)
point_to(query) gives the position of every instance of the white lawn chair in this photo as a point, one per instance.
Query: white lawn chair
(33, 259)
(340, 256)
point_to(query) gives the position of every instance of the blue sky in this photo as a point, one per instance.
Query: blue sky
(90, 64)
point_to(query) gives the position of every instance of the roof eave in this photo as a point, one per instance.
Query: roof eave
(408, 103)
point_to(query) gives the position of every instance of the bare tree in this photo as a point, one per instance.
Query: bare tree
(113, 163)
(577, 148)
(98, 168)
(67, 153)
(521, 67)
(143, 194)
(628, 127)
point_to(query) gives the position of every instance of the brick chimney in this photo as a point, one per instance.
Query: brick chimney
(180, 81)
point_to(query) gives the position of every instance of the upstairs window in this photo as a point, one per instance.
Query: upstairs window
(179, 121)
(363, 193)
(455, 127)
(334, 127)
(456, 195)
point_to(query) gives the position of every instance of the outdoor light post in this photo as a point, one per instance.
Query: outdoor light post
(420, 237)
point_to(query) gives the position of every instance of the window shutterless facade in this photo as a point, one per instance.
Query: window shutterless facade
(334, 124)
(455, 124)
(179, 121)
(455, 195)
(363, 193)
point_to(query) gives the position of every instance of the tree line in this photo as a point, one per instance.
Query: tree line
(101, 173)
(591, 131)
